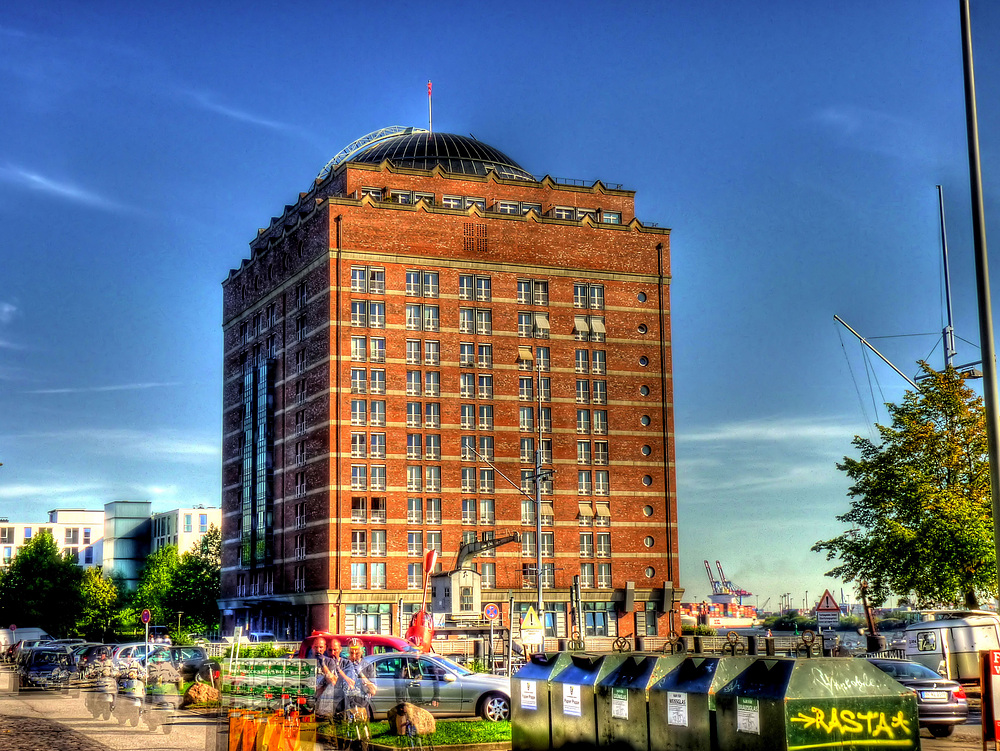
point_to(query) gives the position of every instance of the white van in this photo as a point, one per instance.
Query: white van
(949, 641)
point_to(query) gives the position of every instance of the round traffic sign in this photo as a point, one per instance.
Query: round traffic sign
(13, 627)
(146, 615)
(491, 612)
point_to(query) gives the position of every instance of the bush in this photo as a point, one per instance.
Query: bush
(699, 631)
(264, 650)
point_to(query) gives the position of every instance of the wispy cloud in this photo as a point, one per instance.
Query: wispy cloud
(27, 179)
(163, 445)
(773, 430)
(871, 130)
(207, 102)
(101, 389)
(62, 491)
(7, 312)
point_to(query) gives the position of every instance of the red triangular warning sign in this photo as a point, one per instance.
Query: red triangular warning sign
(827, 603)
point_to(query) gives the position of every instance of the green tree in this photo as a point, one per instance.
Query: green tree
(920, 520)
(196, 583)
(155, 584)
(101, 604)
(42, 588)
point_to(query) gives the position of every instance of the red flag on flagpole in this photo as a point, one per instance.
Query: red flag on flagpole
(428, 88)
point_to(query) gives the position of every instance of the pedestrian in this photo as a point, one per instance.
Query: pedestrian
(326, 678)
(769, 635)
(359, 680)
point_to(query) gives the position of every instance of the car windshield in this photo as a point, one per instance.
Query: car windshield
(904, 670)
(450, 665)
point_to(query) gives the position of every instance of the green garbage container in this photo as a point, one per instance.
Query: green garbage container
(530, 728)
(682, 703)
(825, 702)
(573, 700)
(623, 701)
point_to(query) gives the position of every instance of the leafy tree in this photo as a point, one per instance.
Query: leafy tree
(196, 583)
(42, 588)
(920, 518)
(155, 584)
(101, 604)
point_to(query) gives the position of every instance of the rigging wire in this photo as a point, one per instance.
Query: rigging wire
(854, 378)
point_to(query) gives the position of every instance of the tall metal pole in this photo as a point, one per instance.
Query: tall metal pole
(538, 493)
(949, 331)
(990, 396)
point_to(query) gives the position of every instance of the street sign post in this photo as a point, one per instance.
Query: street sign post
(491, 612)
(532, 633)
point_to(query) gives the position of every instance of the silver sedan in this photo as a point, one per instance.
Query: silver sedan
(441, 686)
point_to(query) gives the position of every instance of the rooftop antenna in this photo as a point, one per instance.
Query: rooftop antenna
(430, 116)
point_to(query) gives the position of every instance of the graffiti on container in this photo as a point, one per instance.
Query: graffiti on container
(880, 728)
(856, 684)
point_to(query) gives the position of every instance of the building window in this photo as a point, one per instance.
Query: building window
(582, 392)
(413, 383)
(378, 446)
(485, 387)
(434, 508)
(527, 450)
(466, 354)
(413, 414)
(414, 509)
(378, 576)
(359, 543)
(467, 416)
(378, 542)
(359, 348)
(588, 296)
(432, 415)
(542, 356)
(414, 544)
(422, 284)
(187, 523)
(432, 480)
(466, 385)
(203, 519)
(434, 542)
(300, 328)
(432, 353)
(432, 383)
(587, 582)
(301, 296)
(414, 480)
(466, 320)
(378, 510)
(548, 544)
(486, 448)
(468, 479)
(368, 279)
(485, 417)
(601, 454)
(359, 445)
(485, 359)
(604, 576)
(469, 511)
(525, 328)
(359, 510)
(525, 388)
(359, 576)
(604, 545)
(564, 212)
(359, 412)
(582, 361)
(413, 352)
(433, 452)
(528, 545)
(583, 455)
(486, 481)
(452, 202)
(378, 477)
(508, 207)
(415, 576)
(583, 421)
(527, 507)
(414, 445)
(602, 482)
(583, 482)
(484, 322)
(489, 575)
(600, 395)
(532, 292)
(600, 421)
(377, 385)
(377, 418)
(599, 360)
(526, 419)
(359, 477)
(486, 512)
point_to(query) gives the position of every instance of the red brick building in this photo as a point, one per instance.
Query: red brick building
(425, 306)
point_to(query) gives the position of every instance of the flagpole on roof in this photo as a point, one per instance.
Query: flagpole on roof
(430, 118)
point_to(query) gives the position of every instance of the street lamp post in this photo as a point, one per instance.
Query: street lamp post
(179, 614)
(538, 491)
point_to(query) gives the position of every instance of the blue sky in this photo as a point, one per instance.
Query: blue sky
(792, 147)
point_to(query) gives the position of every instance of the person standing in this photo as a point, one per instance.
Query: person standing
(326, 679)
(358, 677)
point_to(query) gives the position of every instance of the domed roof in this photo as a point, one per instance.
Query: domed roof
(457, 154)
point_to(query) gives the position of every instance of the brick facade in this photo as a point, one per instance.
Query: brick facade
(372, 329)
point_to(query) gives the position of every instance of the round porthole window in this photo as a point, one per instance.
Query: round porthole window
(644, 420)
(647, 480)
(649, 542)
(646, 451)
(644, 390)
(642, 328)
(647, 510)
(642, 297)
(644, 361)
(650, 572)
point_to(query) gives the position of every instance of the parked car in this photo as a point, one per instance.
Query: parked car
(194, 664)
(90, 655)
(374, 644)
(941, 702)
(441, 686)
(46, 667)
(133, 651)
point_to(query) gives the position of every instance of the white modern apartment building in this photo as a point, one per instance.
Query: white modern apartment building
(183, 527)
(78, 532)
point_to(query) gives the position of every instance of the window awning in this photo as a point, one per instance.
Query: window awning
(525, 353)
(580, 325)
(541, 321)
(597, 324)
(585, 510)
(547, 509)
(603, 508)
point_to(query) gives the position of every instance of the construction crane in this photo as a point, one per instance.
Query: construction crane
(717, 587)
(730, 587)
(472, 549)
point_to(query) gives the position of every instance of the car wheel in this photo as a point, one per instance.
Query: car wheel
(495, 708)
(941, 731)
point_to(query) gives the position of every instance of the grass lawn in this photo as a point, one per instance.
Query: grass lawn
(449, 733)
